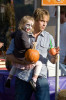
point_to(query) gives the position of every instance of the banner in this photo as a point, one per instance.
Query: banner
(53, 2)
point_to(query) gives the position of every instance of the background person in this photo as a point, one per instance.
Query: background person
(62, 34)
(1, 45)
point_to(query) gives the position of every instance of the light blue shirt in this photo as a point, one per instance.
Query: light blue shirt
(11, 47)
(43, 45)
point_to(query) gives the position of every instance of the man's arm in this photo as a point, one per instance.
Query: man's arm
(9, 54)
(54, 59)
(12, 58)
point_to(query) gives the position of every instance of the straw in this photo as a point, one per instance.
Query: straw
(50, 44)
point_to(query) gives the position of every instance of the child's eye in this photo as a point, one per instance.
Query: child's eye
(28, 24)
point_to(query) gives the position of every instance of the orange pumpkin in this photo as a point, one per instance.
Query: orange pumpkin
(32, 55)
(52, 51)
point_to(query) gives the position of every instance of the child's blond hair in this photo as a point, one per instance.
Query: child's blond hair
(25, 20)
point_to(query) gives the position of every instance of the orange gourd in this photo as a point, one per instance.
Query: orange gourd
(32, 55)
(52, 51)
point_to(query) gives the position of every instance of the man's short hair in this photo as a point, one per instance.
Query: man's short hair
(39, 14)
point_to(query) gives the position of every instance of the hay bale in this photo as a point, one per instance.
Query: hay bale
(62, 95)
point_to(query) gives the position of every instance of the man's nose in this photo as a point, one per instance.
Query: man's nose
(44, 24)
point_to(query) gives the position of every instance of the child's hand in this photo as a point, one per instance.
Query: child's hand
(34, 43)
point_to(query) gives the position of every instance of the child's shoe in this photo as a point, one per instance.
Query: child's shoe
(33, 84)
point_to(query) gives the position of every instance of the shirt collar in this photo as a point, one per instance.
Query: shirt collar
(42, 33)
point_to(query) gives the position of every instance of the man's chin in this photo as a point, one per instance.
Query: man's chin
(42, 29)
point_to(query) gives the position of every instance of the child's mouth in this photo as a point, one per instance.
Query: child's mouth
(28, 29)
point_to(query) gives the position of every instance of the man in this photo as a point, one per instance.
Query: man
(23, 90)
(63, 34)
(1, 45)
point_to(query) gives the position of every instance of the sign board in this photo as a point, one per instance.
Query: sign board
(53, 2)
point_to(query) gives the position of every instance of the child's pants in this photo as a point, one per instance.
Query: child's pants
(37, 68)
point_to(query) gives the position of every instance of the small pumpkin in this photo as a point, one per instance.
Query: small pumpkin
(32, 55)
(52, 51)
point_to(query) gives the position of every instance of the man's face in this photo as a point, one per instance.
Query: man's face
(41, 24)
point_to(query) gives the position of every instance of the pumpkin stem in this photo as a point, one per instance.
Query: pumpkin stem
(34, 45)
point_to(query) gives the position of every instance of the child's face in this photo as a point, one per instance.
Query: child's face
(28, 26)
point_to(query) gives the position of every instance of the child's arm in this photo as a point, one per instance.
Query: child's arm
(26, 41)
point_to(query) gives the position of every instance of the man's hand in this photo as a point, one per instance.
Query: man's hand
(57, 50)
(27, 67)
(55, 57)
(30, 66)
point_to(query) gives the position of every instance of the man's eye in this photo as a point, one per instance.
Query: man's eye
(42, 20)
